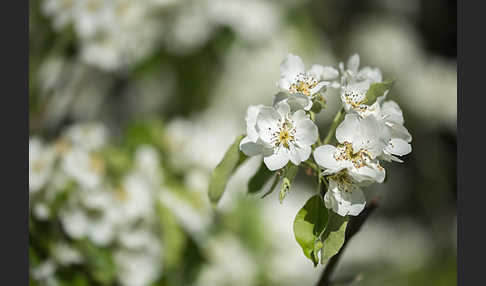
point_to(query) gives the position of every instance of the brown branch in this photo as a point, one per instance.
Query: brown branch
(353, 227)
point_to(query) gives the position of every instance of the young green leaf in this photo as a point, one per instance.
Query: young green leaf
(258, 180)
(309, 224)
(333, 236)
(290, 172)
(377, 89)
(223, 171)
(274, 185)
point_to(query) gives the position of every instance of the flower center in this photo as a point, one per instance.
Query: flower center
(285, 134)
(355, 99)
(359, 159)
(303, 84)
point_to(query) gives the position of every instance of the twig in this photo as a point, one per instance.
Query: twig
(334, 125)
(353, 227)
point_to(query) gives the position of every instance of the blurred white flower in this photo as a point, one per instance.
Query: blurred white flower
(135, 197)
(41, 160)
(282, 136)
(147, 163)
(45, 272)
(222, 252)
(192, 210)
(85, 168)
(135, 268)
(93, 215)
(89, 136)
(352, 74)
(41, 211)
(66, 255)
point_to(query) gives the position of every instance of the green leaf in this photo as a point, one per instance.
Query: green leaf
(333, 236)
(258, 180)
(274, 185)
(377, 89)
(290, 172)
(223, 171)
(309, 224)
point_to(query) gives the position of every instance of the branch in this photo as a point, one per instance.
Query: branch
(353, 227)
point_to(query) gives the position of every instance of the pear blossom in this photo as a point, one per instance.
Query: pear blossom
(278, 134)
(390, 122)
(352, 74)
(344, 196)
(360, 142)
(303, 85)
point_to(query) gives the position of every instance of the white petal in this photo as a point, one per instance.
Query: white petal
(267, 123)
(291, 66)
(345, 202)
(249, 147)
(283, 109)
(294, 156)
(316, 71)
(353, 63)
(324, 156)
(304, 152)
(295, 101)
(370, 74)
(399, 131)
(392, 112)
(306, 131)
(251, 119)
(368, 173)
(284, 84)
(398, 147)
(348, 129)
(277, 160)
(329, 73)
(318, 87)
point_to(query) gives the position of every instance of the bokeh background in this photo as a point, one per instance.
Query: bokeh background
(133, 103)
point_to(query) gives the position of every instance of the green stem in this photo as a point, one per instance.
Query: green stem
(334, 125)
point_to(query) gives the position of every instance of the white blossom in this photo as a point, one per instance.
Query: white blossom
(360, 142)
(344, 196)
(137, 268)
(302, 85)
(281, 137)
(41, 161)
(352, 74)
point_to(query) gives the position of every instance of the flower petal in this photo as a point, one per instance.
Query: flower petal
(306, 131)
(344, 202)
(353, 63)
(251, 119)
(347, 130)
(324, 157)
(291, 66)
(318, 87)
(249, 147)
(277, 160)
(267, 123)
(398, 147)
(368, 173)
(392, 112)
(370, 74)
(304, 152)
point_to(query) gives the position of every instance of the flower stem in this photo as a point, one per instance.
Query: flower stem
(334, 125)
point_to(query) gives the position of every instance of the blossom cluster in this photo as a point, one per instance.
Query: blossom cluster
(371, 130)
(68, 183)
(116, 34)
